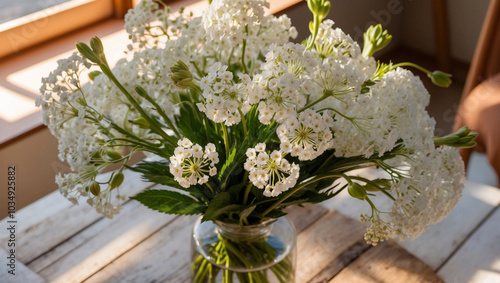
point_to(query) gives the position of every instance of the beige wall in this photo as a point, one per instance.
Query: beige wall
(409, 21)
(354, 16)
(465, 21)
(35, 158)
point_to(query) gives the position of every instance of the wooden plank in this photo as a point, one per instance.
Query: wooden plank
(387, 262)
(164, 257)
(99, 244)
(326, 240)
(21, 273)
(343, 260)
(170, 247)
(57, 225)
(45, 207)
(304, 216)
(478, 260)
(436, 244)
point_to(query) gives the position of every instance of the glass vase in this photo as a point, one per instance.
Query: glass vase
(262, 253)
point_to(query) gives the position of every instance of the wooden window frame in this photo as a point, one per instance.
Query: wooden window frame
(44, 25)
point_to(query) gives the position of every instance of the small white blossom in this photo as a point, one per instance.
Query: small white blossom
(192, 165)
(306, 137)
(270, 172)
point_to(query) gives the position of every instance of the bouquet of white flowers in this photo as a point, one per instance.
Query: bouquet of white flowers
(247, 123)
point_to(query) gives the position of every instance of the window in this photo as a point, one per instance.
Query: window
(63, 17)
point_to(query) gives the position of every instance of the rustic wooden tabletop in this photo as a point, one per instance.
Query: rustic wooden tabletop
(59, 242)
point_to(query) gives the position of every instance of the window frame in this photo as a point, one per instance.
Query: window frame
(42, 26)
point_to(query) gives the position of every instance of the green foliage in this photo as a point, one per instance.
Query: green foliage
(223, 203)
(170, 202)
(257, 133)
(158, 172)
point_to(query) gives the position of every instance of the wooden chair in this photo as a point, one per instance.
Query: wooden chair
(480, 103)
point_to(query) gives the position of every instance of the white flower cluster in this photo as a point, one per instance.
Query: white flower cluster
(71, 114)
(281, 87)
(73, 186)
(235, 60)
(149, 25)
(241, 27)
(271, 172)
(372, 122)
(192, 165)
(432, 188)
(432, 191)
(233, 19)
(60, 87)
(307, 137)
(223, 97)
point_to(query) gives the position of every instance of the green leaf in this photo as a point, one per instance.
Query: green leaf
(223, 199)
(227, 164)
(170, 202)
(158, 172)
(222, 204)
(275, 213)
(246, 212)
(234, 208)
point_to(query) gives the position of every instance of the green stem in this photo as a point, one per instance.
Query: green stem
(198, 70)
(313, 103)
(153, 124)
(226, 139)
(293, 191)
(312, 38)
(236, 252)
(162, 114)
(210, 188)
(247, 192)
(200, 275)
(243, 122)
(409, 64)
(324, 163)
(374, 208)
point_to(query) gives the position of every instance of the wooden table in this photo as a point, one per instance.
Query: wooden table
(58, 242)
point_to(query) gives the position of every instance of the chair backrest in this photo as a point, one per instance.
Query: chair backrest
(486, 60)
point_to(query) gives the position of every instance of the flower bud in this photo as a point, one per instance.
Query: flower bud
(357, 191)
(181, 76)
(462, 138)
(117, 180)
(86, 52)
(320, 8)
(462, 132)
(375, 38)
(95, 188)
(114, 155)
(449, 139)
(96, 45)
(141, 91)
(439, 78)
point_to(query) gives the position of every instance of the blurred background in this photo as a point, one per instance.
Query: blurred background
(435, 34)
